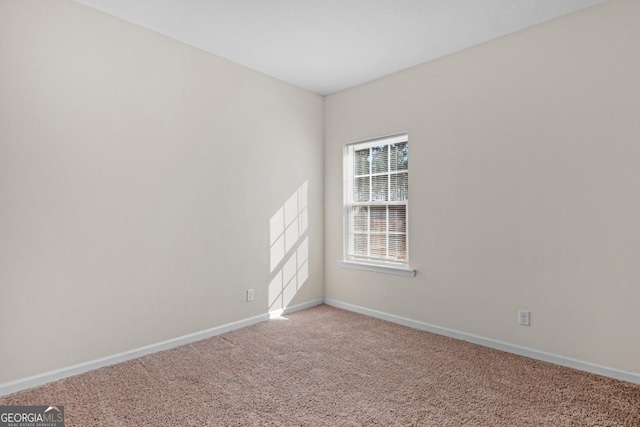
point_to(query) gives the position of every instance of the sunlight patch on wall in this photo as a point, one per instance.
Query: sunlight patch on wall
(289, 250)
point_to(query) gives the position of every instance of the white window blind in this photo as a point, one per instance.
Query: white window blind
(376, 200)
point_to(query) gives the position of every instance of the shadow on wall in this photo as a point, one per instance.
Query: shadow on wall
(289, 251)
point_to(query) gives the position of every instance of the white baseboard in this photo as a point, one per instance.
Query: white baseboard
(618, 374)
(277, 313)
(58, 374)
(47, 377)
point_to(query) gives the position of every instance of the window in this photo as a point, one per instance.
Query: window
(376, 201)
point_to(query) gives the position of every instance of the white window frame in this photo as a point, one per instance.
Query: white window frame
(362, 262)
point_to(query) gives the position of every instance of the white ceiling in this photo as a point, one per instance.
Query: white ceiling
(329, 45)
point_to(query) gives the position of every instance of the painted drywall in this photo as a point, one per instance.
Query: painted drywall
(138, 181)
(524, 185)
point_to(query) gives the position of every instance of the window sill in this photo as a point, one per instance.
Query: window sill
(400, 271)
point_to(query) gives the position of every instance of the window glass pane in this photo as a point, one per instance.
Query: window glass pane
(398, 246)
(398, 219)
(361, 189)
(361, 162)
(379, 177)
(399, 186)
(378, 219)
(380, 159)
(380, 188)
(379, 245)
(360, 242)
(399, 156)
(360, 218)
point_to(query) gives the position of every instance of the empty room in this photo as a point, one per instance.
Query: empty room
(319, 213)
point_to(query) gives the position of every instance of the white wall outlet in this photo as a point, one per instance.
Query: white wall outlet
(249, 295)
(523, 317)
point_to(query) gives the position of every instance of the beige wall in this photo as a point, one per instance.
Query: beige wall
(138, 177)
(524, 187)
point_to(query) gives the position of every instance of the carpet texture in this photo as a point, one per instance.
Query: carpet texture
(330, 367)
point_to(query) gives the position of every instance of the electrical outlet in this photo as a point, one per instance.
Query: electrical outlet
(523, 317)
(249, 295)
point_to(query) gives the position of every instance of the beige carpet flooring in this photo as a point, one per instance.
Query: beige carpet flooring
(329, 367)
